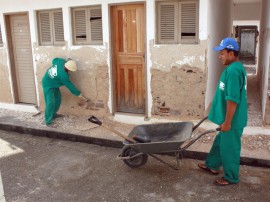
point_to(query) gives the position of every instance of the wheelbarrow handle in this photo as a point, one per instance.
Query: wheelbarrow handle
(199, 123)
(194, 140)
(95, 120)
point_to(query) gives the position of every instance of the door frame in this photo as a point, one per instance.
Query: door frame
(11, 62)
(252, 27)
(113, 61)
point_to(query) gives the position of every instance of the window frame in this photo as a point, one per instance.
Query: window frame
(88, 30)
(53, 39)
(178, 22)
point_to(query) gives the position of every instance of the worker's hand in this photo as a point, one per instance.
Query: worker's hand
(225, 127)
(84, 98)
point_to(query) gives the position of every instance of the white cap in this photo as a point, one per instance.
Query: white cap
(71, 65)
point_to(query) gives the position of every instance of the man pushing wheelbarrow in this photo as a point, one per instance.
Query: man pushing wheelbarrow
(229, 110)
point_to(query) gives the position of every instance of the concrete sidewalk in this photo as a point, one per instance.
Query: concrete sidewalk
(255, 150)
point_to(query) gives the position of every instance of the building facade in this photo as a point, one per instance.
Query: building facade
(134, 57)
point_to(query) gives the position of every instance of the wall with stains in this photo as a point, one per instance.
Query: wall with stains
(91, 78)
(184, 68)
(5, 84)
(178, 79)
(176, 73)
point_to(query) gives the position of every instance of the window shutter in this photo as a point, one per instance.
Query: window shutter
(96, 25)
(167, 22)
(58, 27)
(79, 20)
(1, 39)
(189, 21)
(45, 29)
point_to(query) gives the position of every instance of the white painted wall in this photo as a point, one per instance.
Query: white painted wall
(247, 22)
(252, 9)
(203, 23)
(150, 30)
(247, 14)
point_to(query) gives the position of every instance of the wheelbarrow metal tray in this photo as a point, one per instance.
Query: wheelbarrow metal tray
(164, 136)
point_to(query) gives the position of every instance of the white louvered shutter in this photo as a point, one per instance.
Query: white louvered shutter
(79, 20)
(167, 22)
(189, 21)
(1, 39)
(58, 27)
(95, 26)
(45, 28)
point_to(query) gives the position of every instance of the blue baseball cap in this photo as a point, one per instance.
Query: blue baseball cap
(229, 43)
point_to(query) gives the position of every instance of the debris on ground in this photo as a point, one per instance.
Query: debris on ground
(80, 125)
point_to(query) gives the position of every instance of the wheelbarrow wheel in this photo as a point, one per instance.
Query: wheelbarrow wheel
(133, 162)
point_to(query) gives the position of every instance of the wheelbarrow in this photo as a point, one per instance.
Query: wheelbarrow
(151, 139)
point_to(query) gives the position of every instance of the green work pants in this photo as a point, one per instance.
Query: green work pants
(52, 101)
(225, 152)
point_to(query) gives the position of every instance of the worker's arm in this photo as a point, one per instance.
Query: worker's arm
(234, 84)
(231, 107)
(71, 87)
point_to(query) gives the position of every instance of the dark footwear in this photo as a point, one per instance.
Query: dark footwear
(203, 167)
(58, 116)
(52, 125)
(222, 182)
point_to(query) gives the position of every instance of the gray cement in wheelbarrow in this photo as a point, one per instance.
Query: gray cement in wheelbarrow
(78, 129)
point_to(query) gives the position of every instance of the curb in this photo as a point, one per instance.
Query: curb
(247, 161)
(114, 143)
(61, 135)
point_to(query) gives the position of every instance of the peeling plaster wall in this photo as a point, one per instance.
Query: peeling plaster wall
(178, 78)
(91, 78)
(5, 88)
(182, 90)
(94, 62)
(165, 56)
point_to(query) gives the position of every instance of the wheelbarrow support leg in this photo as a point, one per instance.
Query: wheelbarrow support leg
(177, 156)
(160, 160)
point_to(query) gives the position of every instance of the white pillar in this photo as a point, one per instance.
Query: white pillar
(219, 27)
(150, 36)
(264, 54)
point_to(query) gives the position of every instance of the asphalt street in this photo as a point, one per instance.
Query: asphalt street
(42, 169)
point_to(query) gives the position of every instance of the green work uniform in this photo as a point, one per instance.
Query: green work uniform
(55, 77)
(227, 145)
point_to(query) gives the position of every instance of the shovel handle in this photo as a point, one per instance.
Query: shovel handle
(95, 120)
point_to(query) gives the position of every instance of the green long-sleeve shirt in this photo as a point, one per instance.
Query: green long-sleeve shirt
(233, 87)
(56, 76)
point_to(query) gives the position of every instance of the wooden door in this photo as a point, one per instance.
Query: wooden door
(128, 29)
(21, 59)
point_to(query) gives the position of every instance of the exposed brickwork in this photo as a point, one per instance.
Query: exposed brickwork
(179, 91)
